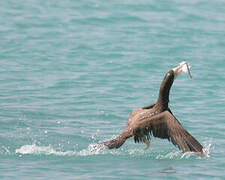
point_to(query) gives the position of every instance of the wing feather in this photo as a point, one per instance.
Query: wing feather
(166, 126)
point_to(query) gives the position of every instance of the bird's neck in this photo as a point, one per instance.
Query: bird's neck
(163, 98)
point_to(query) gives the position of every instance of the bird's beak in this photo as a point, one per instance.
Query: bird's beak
(183, 67)
(177, 70)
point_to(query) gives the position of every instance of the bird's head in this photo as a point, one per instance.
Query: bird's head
(172, 74)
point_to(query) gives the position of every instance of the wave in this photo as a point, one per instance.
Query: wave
(49, 150)
(46, 150)
(5, 150)
(96, 149)
(187, 155)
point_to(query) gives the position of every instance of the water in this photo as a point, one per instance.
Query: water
(72, 71)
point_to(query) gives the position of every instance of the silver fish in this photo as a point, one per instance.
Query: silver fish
(186, 69)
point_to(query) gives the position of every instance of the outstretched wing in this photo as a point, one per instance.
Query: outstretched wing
(166, 126)
(118, 141)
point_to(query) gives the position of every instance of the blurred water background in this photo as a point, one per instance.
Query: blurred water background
(72, 71)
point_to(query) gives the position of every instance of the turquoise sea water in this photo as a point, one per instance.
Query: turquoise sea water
(72, 71)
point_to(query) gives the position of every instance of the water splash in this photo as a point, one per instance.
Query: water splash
(187, 155)
(46, 150)
(93, 149)
(169, 155)
(99, 149)
(207, 149)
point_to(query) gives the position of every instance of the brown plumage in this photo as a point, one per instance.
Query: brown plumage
(157, 120)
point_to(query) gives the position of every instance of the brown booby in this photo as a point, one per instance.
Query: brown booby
(158, 120)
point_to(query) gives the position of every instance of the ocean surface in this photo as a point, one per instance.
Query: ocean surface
(71, 71)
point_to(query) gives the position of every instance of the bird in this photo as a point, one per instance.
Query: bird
(158, 120)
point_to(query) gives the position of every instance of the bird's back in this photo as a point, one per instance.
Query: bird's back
(137, 115)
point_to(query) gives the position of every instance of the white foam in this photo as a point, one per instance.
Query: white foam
(170, 155)
(48, 150)
(136, 151)
(206, 150)
(95, 149)
(187, 155)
